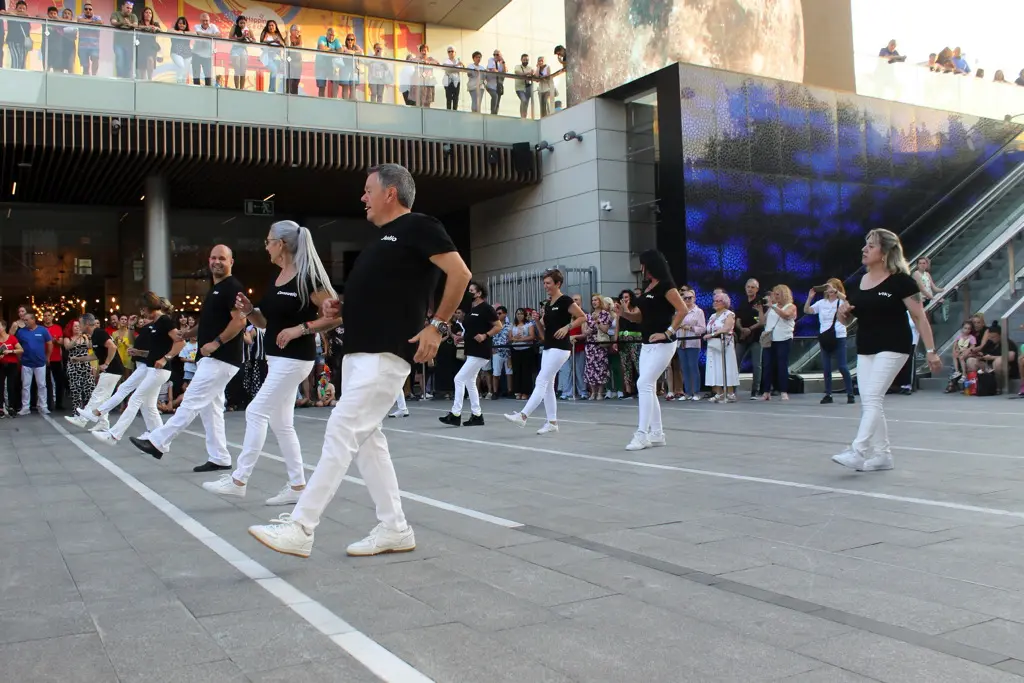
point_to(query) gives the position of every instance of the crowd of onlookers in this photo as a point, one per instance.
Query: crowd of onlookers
(341, 67)
(947, 61)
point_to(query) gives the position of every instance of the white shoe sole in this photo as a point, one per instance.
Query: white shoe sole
(383, 551)
(853, 466)
(294, 552)
(517, 422)
(225, 493)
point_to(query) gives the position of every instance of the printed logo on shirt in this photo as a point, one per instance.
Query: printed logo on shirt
(887, 295)
(293, 294)
(388, 238)
(649, 296)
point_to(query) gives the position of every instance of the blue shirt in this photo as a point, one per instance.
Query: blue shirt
(961, 63)
(33, 343)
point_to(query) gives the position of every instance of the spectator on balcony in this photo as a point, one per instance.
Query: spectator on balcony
(544, 86)
(124, 43)
(272, 57)
(146, 48)
(405, 79)
(202, 50)
(980, 73)
(69, 37)
(1019, 81)
(959, 62)
(294, 60)
(495, 83)
(51, 42)
(324, 65)
(19, 38)
(932, 63)
(89, 41)
(944, 61)
(181, 50)
(452, 79)
(240, 53)
(475, 81)
(348, 68)
(889, 50)
(424, 85)
(524, 84)
(560, 56)
(999, 77)
(381, 74)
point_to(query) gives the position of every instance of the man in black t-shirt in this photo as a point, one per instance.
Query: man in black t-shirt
(481, 325)
(218, 335)
(386, 298)
(749, 325)
(111, 369)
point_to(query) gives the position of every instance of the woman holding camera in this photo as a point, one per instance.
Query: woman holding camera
(831, 334)
(776, 339)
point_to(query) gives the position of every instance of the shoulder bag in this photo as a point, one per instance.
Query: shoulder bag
(828, 339)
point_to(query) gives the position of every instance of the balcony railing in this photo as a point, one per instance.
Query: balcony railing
(187, 59)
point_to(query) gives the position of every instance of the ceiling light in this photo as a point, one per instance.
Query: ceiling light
(14, 188)
(270, 196)
(142, 197)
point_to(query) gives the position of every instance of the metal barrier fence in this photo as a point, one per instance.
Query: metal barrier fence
(525, 288)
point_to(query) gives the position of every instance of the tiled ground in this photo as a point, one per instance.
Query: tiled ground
(738, 553)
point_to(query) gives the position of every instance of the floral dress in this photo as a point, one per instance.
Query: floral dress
(595, 371)
(80, 380)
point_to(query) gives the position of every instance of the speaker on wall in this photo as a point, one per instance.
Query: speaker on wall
(522, 157)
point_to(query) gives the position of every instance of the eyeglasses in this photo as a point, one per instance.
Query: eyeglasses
(266, 243)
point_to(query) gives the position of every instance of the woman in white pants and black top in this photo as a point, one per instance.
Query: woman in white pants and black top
(288, 312)
(559, 316)
(164, 344)
(660, 312)
(481, 325)
(880, 303)
(139, 350)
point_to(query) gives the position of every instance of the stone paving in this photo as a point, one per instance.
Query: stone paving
(739, 552)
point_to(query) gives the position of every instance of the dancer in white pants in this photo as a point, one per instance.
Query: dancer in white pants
(288, 313)
(386, 297)
(401, 409)
(161, 338)
(219, 335)
(560, 315)
(880, 303)
(660, 312)
(481, 324)
(139, 350)
(111, 369)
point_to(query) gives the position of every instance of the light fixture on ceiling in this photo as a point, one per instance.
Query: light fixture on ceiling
(14, 188)
(270, 196)
(143, 197)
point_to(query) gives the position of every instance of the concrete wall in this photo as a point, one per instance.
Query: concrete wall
(560, 222)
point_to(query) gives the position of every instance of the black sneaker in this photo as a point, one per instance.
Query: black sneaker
(449, 419)
(850, 399)
(474, 421)
(146, 446)
(210, 467)
(827, 399)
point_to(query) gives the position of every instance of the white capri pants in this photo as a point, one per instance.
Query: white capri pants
(654, 358)
(551, 361)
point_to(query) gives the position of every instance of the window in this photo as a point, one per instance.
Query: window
(83, 266)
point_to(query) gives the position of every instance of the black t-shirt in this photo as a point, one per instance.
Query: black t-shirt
(283, 309)
(657, 311)
(141, 343)
(388, 290)
(556, 316)
(156, 338)
(882, 322)
(480, 320)
(746, 314)
(99, 347)
(215, 316)
(627, 325)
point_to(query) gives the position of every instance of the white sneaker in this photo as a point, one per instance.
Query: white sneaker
(86, 414)
(24, 411)
(639, 442)
(877, 463)
(79, 422)
(849, 458)
(225, 486)
(695, 397)
(428, 397)
(102, 425)
(656, 438)
(284, 536)
(516, 418)
(106, 437)
(383, 540)
(286, 496)
(398, 412)
(548, 428)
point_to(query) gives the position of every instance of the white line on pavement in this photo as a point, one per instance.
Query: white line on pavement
(433, 502)
(368, 652)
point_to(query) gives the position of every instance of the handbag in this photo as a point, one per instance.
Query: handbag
(766, 339)
(828, 339)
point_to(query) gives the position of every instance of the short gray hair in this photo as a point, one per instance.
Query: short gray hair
(398, 177)
(88, 319)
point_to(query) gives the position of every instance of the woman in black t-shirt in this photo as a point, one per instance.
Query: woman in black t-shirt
(660, 312)
(559, 316)
(880, 302)
(289, 314)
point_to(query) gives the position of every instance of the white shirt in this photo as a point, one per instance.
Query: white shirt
(204, 48)
(826, 311)
(452, 77)
(781, 328)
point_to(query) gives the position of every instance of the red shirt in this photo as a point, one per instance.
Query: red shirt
(574, 331)
(10, 345)
(57, 333)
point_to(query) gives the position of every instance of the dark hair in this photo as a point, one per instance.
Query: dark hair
(480, 288)
(515, 316)
(655, 265)
(236, 32)
(179, 20)
(630, 292)
(477, 54)
(53, 9)
(501, 308)
(555, 274)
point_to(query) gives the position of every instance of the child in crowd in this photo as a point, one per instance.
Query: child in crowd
(961, 347)
(325, 390)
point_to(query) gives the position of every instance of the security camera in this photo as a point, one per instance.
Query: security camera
(572, 135)
(606, 206)
(544, 145)
(115, 125)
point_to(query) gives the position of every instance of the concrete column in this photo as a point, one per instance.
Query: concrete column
(158, 237)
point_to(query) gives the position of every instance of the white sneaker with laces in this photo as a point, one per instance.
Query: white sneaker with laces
(86, 414)
(639, 442)
(106, 437)
(284, 536)
(225, 486)
(398, 412)
(384, 540)
(882, 461)
(286, 496)
(79, 422)
(102, 425)
(849, 458)
(656, 438)
(548, 428)
(24, 411)
(516, 418)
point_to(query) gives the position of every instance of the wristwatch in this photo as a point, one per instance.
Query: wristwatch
(441, 326)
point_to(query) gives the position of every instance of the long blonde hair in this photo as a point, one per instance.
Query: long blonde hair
(784, 293)
(892, 250)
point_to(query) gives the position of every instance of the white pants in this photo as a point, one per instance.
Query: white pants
(501, 364)
(400, 399)
(205, 398)
(274, 406)
(465, 381)
(123, 391)
(369, 384)
(654, 358)
(143, 399)
(875, 375)
(183, 67)
(27, 375)
(551, 361)
(104, 388)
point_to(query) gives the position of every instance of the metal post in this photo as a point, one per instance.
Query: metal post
(725, 365)
(158, 237)
(1013, 269)
(1004, 350)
